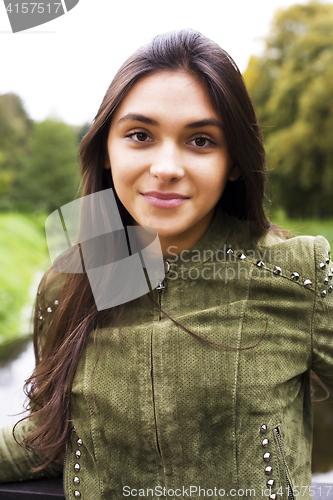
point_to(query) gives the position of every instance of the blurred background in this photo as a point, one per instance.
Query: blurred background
(53, 78)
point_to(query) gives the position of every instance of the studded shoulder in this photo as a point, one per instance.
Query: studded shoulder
(48, 297)
(323, 267)
(304, 260)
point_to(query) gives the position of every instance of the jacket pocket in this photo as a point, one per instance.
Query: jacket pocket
(289, 487)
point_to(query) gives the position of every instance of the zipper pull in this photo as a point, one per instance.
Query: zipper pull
(160, 287)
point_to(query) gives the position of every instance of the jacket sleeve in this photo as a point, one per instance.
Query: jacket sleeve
(322, 322)
(16, 462)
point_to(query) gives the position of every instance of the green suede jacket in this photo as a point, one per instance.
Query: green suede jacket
(210, 397)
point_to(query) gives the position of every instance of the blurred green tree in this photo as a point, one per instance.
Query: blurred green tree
(83, 131)
(38, 161)
(15, 128)
(292, 87)
(6, 178)
(49, 178)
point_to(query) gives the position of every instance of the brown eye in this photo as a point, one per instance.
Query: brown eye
(141, 136)
(200, 141)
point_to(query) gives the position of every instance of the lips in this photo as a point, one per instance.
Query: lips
(164, 200)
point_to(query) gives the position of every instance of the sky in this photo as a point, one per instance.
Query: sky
(62, 69)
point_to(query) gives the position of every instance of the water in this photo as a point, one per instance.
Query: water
(18, 365)
(13, 374)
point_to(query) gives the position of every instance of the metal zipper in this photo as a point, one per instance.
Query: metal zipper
(160, 287)
(278, 436)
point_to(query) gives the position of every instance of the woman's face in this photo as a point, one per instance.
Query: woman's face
(169, 158)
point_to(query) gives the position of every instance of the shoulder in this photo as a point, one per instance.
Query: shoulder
(49, 294)
(302, 260)
(305, 260)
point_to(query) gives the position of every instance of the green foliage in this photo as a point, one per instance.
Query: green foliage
(22, 252)
(50, 172)
(83, 131)
(15, 127)
(292, 87)
(6, 177)
(38, 161)
(297, 227)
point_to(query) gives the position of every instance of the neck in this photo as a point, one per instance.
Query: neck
(176, 244)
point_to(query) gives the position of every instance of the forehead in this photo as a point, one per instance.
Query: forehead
(169, 93)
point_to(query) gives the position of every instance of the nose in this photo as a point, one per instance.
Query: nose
(168, 164)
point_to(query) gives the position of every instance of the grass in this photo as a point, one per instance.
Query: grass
(23, 252)
(298, 227)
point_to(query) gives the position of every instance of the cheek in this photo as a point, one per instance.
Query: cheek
(125, 165)
(215, 190)
(120, 170)
(214, 177)
(124, 182)
(121, 184)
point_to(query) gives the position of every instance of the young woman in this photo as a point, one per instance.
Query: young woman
(201, 387)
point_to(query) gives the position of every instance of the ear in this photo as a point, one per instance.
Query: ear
(234, 173)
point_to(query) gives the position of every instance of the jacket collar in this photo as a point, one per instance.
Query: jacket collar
(205, 249)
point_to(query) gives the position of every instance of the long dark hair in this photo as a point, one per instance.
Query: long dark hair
(59, 345)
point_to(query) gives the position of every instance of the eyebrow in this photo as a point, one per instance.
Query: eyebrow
(205, 123)
(138, 118)
(200, 123)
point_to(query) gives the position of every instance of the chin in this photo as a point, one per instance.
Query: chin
(165, 230)
(165, 233)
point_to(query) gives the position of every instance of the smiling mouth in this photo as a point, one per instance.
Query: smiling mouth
(164, 200)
